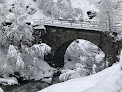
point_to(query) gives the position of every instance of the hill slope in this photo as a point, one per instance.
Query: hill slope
(60, 9)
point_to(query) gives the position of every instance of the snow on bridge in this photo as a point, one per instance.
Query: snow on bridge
(89, 25)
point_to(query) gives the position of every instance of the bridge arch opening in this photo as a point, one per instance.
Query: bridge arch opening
(79, 51)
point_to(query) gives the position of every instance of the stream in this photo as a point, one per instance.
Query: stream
(29, 86)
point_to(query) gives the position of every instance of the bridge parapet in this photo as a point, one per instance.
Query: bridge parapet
(89, 25)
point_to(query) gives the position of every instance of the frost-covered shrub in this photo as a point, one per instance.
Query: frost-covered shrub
(28, 64)
(18, 32)
(34, 60)
(14, 59)
(77, 72)
(41, 49)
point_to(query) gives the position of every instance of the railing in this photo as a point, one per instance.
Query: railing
(91, 25)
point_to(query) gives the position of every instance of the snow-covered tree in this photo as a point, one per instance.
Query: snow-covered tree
(19, 32)
(3, 10)
(3, 13)
(110, 14)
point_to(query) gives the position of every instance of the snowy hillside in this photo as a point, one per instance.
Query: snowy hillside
(59, 9)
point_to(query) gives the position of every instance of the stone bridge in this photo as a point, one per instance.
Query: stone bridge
(60, 34)
(59, 38)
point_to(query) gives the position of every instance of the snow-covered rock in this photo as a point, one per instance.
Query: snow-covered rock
(78, 72)
(47, 80)
(108, 80)
(43, 70)
(8, 81)
(41, 49)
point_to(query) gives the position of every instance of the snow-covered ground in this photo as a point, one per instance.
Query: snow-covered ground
(38, 14)
(108, 80)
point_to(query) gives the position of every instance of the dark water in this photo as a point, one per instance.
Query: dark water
(29, 86)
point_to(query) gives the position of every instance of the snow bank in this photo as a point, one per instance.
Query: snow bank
(47, 80)
(121, 60)
(108, 80)
(1, 90)
(8, 81)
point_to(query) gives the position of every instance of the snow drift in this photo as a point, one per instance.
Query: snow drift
(108, 80)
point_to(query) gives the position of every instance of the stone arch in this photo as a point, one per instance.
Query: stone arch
(58, 37)
(58, 59)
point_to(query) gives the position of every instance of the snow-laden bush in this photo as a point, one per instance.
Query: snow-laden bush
(34, 60)
(14, 59)
(77, 72)
(28, 64)
(18, 32)
(41, 50)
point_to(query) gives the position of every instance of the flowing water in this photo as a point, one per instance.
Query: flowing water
(29, 86)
